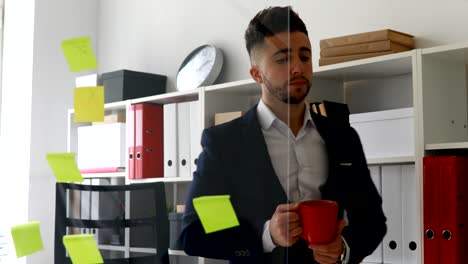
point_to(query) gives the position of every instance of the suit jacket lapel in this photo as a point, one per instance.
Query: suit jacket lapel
(332, 141)
(258, 160)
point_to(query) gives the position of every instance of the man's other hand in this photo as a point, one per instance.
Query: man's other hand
(330, 253)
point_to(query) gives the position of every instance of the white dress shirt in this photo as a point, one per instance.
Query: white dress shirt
(300, 162)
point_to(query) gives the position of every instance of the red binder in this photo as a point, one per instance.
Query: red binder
(149, 141)
(431, 210)
(450, 223)
(131, 141)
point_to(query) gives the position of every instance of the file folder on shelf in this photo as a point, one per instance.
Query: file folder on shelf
(183, 139)
(410, 213)
(392, 203)
(170, 140)
(131, 141)
(431, 210)
(445, 209)
(146, 156)
(195, 135)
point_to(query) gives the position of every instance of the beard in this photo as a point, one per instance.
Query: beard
(283, 92)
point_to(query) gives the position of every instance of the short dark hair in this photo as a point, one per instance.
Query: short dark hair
(271, 21)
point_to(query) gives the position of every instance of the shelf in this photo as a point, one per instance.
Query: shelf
(111, 247)
(123, 248)
(121, 105)
(169, 179)
(391, 160)
(143, 250)
(442, 146)
(169, 98)
(242, 87)
(177, 252)
(371, 68)
(104, 175)
(457, 53)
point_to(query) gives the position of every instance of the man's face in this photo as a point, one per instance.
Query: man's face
(284, 67)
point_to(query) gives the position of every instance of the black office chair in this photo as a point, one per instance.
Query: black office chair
(100, 210)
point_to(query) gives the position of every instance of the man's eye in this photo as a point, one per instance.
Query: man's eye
(282, 60)
(305, 58)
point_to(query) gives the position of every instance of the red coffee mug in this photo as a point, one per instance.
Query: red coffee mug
(318, 220)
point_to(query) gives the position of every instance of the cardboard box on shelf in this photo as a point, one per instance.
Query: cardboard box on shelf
(379, 35)
(377, 46)
(338, 59)
(221, 118)
(113, 118)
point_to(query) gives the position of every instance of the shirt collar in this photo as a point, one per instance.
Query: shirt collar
(266, 117)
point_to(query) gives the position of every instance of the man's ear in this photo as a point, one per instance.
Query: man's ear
(255, 73)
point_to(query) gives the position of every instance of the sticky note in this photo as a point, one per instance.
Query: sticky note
(82, 249)
(27, 238)
(89, 104)
(215, 212)
(79, 54)
(64, 167)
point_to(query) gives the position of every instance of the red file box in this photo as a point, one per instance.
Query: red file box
(445, 209)
(146, 154)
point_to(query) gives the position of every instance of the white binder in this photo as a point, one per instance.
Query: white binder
(170, 140)
(183, 139)
(410, 213)
(195, 135)
(392, 204)
(377, 255)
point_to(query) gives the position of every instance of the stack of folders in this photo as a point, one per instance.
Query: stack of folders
(145, 141)
(445, 209)
(363, 45)
(182, 137)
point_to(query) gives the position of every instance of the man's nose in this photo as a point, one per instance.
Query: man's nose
(296, 67)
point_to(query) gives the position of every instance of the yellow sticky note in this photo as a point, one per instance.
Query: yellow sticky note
(215, 212)
(27, 238)
(82, 249)
(89, 104)
(64, 167)
(79, 54)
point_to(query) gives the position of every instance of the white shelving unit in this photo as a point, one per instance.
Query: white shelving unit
(168, 179)
(391, 160)
(433, 81)
(441, 146)
(177, 252)
(104, 175)
(445, 96)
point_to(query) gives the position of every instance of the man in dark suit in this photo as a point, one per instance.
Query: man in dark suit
(279, 154)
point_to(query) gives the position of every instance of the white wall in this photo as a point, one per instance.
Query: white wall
(52, 95)
(155, 36)
(16, 117)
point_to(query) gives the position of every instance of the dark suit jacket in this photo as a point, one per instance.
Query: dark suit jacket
(235, 161)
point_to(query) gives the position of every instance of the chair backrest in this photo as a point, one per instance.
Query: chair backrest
(130, 222)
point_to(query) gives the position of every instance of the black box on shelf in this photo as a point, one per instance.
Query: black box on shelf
(124, 84)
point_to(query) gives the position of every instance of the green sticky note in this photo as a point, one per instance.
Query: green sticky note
(89, 104)
(82, 249)
(215, 212)
(79, 54)
(64, 167)
(27, 238)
